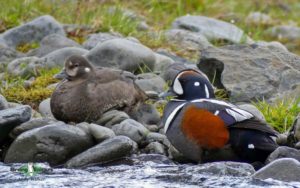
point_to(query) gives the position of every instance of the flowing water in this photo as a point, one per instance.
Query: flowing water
(146, 175)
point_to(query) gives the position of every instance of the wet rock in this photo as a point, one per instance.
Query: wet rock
(155, 148)
(285, 169)
(98, 132)
(258, 18)
(284, 32)
(162, 62)
(54, 144)
(146, 114)
(112, 117)
(226, 168)
(3, 103)
(154, 158)
(187, 39)
(132, 129)
(31, 124)
(33, 31)
(283, 152)
(25, 67)
(58, 57)
(251, 72)
(109, 150)
(45, 109)
(51, 43)
(157, 137)
(94, 39)
(210, 28)
(122, 54)
(253, 110)
(150, 82)
(12, 117)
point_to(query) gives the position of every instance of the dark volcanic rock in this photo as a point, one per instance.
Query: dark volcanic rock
(251, 72)
(12, 117)
(109, 150)
(285, 169)
(54, 144)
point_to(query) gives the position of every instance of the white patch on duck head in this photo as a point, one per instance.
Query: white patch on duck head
(206, 91)
(177, 87)
(196, 84)
(86, 69)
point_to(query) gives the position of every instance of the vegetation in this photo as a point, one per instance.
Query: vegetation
(113, 16)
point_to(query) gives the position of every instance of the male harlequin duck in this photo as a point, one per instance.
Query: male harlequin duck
(87, 92)
(198, 125)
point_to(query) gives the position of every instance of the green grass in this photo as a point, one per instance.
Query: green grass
(281, 114)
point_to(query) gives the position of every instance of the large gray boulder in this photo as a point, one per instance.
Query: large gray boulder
(54, 144)
(94, 39)
(150, 82)
(284, 152)
(251, 72)
(187, 40)
(285, 32)
(26, 67)
(211, 28)
(12, 117)
(51, 43)
(122, 54)
(286, 169)
(109, 150)
(33, 31)
(98, 132)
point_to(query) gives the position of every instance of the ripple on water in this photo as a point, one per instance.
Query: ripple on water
(148, 175)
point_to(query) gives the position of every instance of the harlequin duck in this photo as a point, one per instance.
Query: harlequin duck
(198, 125)
(87, 92)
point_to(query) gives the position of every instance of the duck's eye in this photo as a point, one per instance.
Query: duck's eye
(196, 84)
(76, 65)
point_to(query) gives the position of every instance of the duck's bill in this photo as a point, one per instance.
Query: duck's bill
(166, 94)
(61, 75)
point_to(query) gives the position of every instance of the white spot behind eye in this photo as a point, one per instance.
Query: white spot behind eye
(251, 146)
(196, 84)
(87, 69)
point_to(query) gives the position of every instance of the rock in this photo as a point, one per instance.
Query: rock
(31, 124)
(26, 67)
(112, 117)
(251, 72)
(283, 152)
(11, 118)
(226, 169)
(155, 148)
(122, 54)
(175, 58)
(57, 58)
(284, 32)
(150, 82)
(210, 28)
(157, 137)
(272, 45)
(3, 103)
(282, 139)
(54, 144)
(152, 128)
(94, 39)
(175, 155)
(109, 150)
(98, 132)
(172, 70)
(33, 31)
(142, 26)
(187, 40)
(51, 43)
(258, 18)
(285, 169)
(146, 114)
(293, 136)
(162, 62)
(6, 56)
(253, 110)
(45, 109)
(132, 129)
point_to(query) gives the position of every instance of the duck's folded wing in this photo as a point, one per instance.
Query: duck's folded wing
(235, 117)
